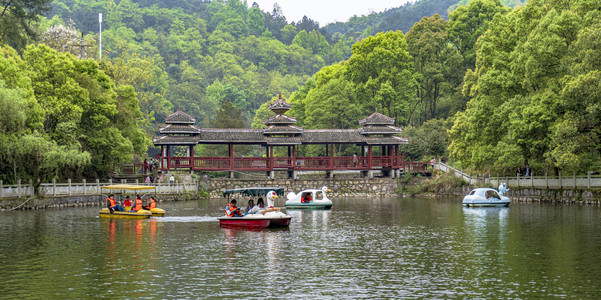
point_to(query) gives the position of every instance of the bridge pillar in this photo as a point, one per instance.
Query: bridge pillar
(370, 174)
(271, 174)
(231, 174)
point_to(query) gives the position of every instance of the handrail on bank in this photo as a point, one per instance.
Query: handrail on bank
(84, 188)
(545, 181)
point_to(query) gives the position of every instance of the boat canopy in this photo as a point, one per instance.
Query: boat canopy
(128, 187)
(255, 191)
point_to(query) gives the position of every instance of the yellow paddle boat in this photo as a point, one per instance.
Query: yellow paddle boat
(141, 214)
(155, 212)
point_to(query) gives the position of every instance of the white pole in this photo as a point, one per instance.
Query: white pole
(100, 40)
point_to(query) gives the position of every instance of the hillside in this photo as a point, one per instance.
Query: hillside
(403, 17)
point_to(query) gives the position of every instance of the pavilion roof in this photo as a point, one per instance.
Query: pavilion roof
(377, 119)
(380, 129)
(280, 106)
(178, 128)
(282, 129)
(180, 117)
(175, 140)
(280, 119)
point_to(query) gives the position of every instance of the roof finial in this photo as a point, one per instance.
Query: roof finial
(376, 109)
(280, 95)
(179, 108)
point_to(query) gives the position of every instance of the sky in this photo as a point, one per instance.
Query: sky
(327, 11)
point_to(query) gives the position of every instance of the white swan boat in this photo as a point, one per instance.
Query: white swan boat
(312, 198)
(485, 197)
(269, 217)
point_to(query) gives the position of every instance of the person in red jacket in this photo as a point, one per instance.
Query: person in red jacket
(127, 202)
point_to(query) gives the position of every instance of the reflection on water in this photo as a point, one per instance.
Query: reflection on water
(362, 248)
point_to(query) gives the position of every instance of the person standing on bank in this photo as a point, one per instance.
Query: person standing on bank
(528, 171)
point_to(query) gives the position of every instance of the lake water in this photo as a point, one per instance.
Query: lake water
(362, 248)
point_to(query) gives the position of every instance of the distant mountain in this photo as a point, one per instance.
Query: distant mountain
(403, 17)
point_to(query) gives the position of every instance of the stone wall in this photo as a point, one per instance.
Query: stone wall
(350, 187)
(74, 201)
(549, 195)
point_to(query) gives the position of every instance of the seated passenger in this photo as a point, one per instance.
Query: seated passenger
(309, 197)
(261, 204)
(137, 204)
(127, 202)
(111, 203)
(251, 208)
(231, 210)
(151, 203)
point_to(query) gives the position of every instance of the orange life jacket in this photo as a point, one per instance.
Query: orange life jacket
(151, 204)
(230, 210)
(138, 204)
(112, 201)
(127, 202)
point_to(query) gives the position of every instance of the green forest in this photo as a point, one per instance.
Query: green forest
(489, 85)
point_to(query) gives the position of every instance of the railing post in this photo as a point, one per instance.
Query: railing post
(69, 182)
(98, 186)
(518, 177)
(588, 185)
(574, 177)
(31, 192)
(560, 183)
(531, 180)
(19, 188)
(1, 188)
(547, 179)
(84, 186)
(53, 187)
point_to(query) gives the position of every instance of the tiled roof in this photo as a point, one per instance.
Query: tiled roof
(224, 136)
(282, 129)
(175, 128)
(175, 140)
(386, 129)
(180, 117)
(280, 119)
(280, 106)
(256, 136)
(377, 119)
(283, 140)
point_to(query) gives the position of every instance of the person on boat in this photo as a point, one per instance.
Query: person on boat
(261, 204)
(251, 208)
(151, 203)
(231, 210)
(127, 202)
(137, 204)
(112, 204)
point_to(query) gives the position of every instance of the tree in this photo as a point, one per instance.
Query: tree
(18, 19)
(469, 22)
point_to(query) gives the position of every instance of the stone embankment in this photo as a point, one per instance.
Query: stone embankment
(8, 204)
(543, 195)
(351, 187)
